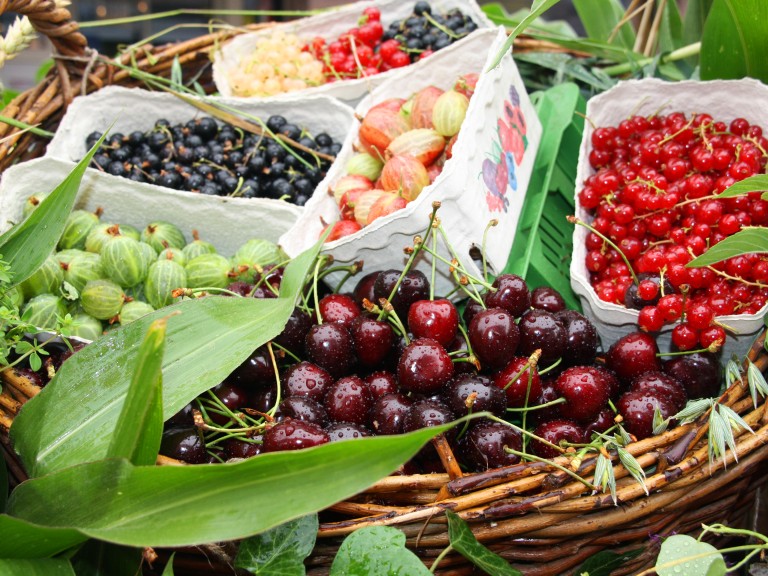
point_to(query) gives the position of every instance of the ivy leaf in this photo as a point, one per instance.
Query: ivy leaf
(682, 555)
(604, 563)
(280, 551)
(733, 41)
(463, 541)
(37, 567)
(748, 240)
(376, 551)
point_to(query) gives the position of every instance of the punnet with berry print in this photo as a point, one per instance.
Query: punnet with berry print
(413, 149)
(346, 52)
(654, 156)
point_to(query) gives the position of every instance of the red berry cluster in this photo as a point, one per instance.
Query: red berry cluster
(654, 195)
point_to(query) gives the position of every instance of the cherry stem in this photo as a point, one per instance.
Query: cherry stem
(440, 557)
(272, 411)
(287, 352)
(491, 224)
(434, 268)
(552, 366)
(315, 291)
(349, 271)
(554, 402)
(575, 220)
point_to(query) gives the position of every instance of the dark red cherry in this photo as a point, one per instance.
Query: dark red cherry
(302, 408)
(240, 288)
(346, 431)
(425, 414)
(293, 435)
(602, 422)
(338, 308)
(348, 400)
(185, 444)
(555, 432)
(471, 308)
(255, 372)
(364, 289)
(330, 346)
(238, 448)
(483, 446)
(585, 390)
(295, 332)
(548, 394)
(519, 382)
(414, 286)
(511, 293)
(494, 337)
(633, 354)
(388, 412)
(540, 330)
(581, 339)
(436, 319)
(233, 397)
(664, 385)
(306, 379)
(699, 373)
(373, 341)
(263, 399)
(485, 396)
(547, 298)
(182, 418)
(424, 366)
(380, 383)
(637, 409)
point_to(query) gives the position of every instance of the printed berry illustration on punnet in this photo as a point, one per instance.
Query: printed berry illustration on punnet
(506, 154)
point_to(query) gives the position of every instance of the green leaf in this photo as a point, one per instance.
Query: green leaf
(605, 562)
(3, 485)
(538, 7)
(280, 551)
(733, 42)
(172, 506)
(139, 428)
(695, 16)
(177, 76)
(104, 559)
(681, 555)
(37, 567)
(89, 388)
(745, 241)
(26, 246)
(168, 571)
(756, 381)
(376, 551)
(23, 539)
(601, 18)
(464, 542)
(757, 183)
(670, 29)
(43, 69)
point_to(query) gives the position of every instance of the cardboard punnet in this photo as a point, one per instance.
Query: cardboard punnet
(331, 25)
(485, 179)
(724, 100)
(136, 109)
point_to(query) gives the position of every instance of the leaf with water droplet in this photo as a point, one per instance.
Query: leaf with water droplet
(682, 555)
(376, 551)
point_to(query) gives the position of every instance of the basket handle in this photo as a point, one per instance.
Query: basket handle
(53, 21)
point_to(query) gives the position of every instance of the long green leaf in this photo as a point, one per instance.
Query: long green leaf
(695, 17)
(172, 506)
(37, 567)
(104, 559)
(746, 241)
(23, 539)
(72, 419)
(463, 540)
(758, 183)
(600, 19)
(3, 485)
(139, 428)
(733, 42)
(26, 246)
(671, 29)
(537, 9)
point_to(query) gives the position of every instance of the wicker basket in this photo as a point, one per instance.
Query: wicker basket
(531, 514)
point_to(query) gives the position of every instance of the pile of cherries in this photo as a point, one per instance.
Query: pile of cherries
(368, 49)
(389, 358)
(654, 195)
